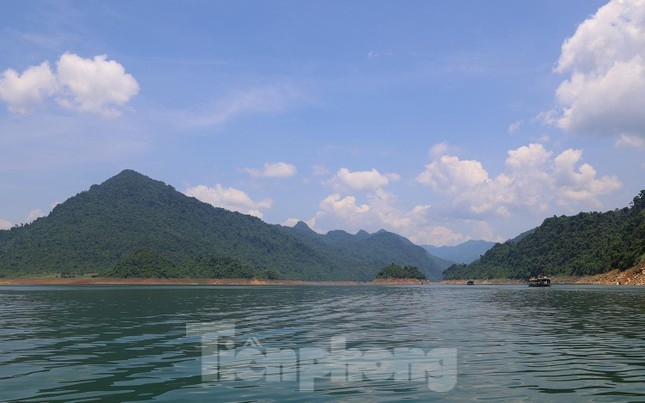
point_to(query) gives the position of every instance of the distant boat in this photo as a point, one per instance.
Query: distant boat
(540, 281)
(470, 282)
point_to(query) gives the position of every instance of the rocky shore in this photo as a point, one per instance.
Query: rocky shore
(633, 276)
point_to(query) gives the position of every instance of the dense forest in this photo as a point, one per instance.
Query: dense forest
(394, 271)
(587, 243)
(134, 226)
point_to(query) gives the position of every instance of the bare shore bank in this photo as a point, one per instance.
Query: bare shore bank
(196, 281)
(633, 276)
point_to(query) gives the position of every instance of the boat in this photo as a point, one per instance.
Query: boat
(470, 282)
(540, 281)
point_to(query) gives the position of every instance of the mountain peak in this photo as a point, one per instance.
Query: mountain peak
(302, 226)
(129, 174)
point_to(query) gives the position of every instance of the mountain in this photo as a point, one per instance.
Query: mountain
(463, 253)
(584, 244)
(132, 225)
(365, 251)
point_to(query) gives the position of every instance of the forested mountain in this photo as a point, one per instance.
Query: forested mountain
(587, 243)
(463, 253)
(366, 251)
(131, 225)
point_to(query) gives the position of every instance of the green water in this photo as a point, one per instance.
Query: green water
(100, 343)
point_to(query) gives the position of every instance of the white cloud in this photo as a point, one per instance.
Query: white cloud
(33, 214)
(273, 170)
(95, 85)
(515, 127)
(229, 198)
(4, 224)
(379, 211)
(439, 149)
(344, 207)
(448, 174)
(605, 57)
(580, 185)
(361, 181)
(266, 99)
(532, 180)
(23, 92)
(527, 158)
(631, 141)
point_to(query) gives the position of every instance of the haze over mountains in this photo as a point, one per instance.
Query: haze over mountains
(132, 218)
(462, 253)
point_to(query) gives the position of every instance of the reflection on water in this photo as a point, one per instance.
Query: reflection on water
(513, 343)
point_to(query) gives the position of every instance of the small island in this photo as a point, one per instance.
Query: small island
(395, 274)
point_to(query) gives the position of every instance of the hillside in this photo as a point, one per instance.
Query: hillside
(463, 253)
(584, 244)
(132, 225)
(365, 251)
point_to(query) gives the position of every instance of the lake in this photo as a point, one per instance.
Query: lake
(321, 343)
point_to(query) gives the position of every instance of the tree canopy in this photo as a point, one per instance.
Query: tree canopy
(584, 244)
(393, 271)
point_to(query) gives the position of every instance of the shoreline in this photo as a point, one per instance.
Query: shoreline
(197, 281)
(634, 276)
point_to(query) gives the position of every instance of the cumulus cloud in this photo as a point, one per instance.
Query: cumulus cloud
(273, 170)
(533, 179)
(374, 208)
(580, 184)
(229, 198)
(449, 173)
(97, 85)
(361, 181)
(605, 58)
(4, 224)
(23, 92)
(378, 211)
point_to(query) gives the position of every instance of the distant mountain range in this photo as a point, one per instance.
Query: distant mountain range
(134, 226)
(584, 244)
(462, 253)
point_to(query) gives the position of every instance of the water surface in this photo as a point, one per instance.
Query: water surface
(129, 343)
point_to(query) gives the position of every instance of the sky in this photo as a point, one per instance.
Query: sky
(442, 121)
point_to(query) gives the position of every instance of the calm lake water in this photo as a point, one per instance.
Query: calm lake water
(104, 343)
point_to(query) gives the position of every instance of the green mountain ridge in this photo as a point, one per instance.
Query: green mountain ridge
(584, 244)
(367, 251)
(130, 224)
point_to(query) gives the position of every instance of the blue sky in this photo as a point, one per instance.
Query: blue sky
(442, 121)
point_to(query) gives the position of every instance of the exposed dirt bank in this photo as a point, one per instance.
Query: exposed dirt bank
(164, 281)
(194, 281)
(633, 276)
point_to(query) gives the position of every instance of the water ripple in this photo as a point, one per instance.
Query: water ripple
(513, 343)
